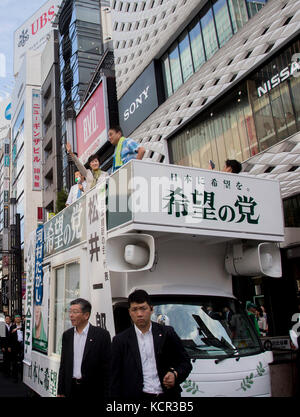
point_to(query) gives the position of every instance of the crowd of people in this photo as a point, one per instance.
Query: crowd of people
(12, 346)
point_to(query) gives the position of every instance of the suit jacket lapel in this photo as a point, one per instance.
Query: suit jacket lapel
(72, 348)
(90, 340)
(134, 346)
(157, 339)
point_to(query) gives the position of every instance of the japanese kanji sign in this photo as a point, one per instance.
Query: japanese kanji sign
(37, 137)
(208, 201)
(66, 229)
(30, 265)
(99, 279)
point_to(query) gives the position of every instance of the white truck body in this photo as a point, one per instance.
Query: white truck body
(198, 225)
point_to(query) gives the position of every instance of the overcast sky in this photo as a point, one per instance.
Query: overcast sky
(13, 13)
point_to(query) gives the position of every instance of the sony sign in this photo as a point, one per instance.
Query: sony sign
(140, 100)
(136, 103)
(293, 69)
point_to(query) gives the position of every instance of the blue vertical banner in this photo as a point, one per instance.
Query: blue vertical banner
(40, 308)
(38, 271)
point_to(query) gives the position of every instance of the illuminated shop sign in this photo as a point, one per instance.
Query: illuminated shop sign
(293, 69)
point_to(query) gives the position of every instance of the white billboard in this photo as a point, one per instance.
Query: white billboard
(35, 32)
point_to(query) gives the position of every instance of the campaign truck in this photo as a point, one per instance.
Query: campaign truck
(179, 233)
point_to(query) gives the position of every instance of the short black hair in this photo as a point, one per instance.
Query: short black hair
(235, 165)
(139, 297)
(92, 157)
(85, 305)
(116, 128)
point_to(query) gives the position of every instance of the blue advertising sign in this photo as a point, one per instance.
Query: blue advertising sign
(8, 112)
(38, 272)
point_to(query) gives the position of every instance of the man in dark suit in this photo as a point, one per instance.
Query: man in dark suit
(5, 346)
(16, 343)
(85, 357)
(148, 359)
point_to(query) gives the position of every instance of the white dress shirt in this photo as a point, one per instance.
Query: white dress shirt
(19, 333)
(74, 191)
(146, 347)
(79, 344)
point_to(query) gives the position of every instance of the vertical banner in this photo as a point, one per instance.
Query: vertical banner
(36, 140)
(40, 302)
(30, 266)
(102, 313)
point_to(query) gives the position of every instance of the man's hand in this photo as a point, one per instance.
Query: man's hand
(141, 151)
(169, 380)
(68, 147)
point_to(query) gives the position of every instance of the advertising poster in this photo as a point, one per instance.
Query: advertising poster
(91, 126)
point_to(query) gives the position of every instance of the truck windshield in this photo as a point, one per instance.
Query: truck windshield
(209, 327)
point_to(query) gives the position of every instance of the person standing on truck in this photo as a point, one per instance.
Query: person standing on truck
(92, 175)
(231, 165)
(85, 356)
(148, 359)
(77, 189)
(125, 148)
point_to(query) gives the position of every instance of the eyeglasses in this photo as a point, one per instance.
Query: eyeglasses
(75, 312)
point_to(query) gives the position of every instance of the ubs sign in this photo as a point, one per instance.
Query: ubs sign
(142, 98)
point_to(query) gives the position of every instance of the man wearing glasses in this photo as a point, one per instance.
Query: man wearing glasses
(148, 359)
(85, 356)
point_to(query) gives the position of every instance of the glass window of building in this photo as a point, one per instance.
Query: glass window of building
(238, 14)
(185, 56)
(257, 114)
(167, 76)
(67, 281)
(89, 44)
(19, 122)
(291, 208)
(225, 131)
(197, 46)
(175, 68)
(254, 6)
(209, 33)
(88, 14)
(274, 92)
(223, 23)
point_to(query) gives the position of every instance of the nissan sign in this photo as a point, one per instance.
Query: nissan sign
(140, 100)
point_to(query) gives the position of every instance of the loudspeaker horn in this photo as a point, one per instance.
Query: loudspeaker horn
(261, 259)
(130, 252)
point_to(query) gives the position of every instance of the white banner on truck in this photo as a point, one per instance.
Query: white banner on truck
(102, 314)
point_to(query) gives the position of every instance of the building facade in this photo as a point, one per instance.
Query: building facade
(51, 118)
(230, 76)
(80, 50)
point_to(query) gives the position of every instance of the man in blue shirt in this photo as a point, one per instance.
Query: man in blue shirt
(126, 148)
